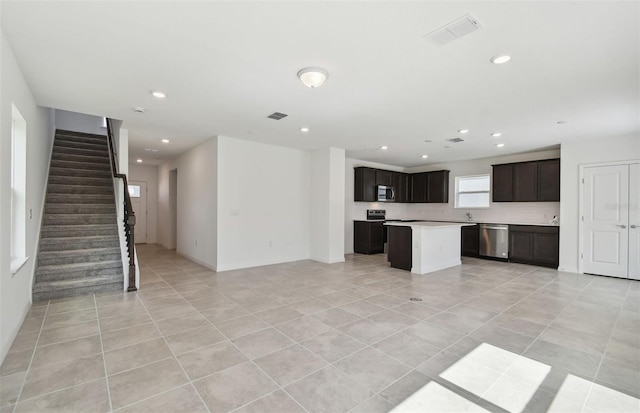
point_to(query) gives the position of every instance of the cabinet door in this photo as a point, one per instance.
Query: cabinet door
(419, 187)
(521, 247)
(502, 190)
(400, 184)
(438, 187)
(549, 180)
(400, 254)
(384, 177)
(377, 237)
(364, 185)
(525, 182)
(470, 242)
(546, 249)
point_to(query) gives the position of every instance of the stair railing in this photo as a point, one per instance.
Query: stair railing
(129, 214)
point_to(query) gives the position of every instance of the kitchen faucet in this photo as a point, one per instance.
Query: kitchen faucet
(469, 215)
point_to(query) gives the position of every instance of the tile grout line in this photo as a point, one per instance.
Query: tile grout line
(104, 361)
(35, 348)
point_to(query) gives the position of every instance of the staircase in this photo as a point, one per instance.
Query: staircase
(79, 244)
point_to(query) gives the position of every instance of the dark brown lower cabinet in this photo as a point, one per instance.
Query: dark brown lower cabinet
(470, 241)
(536, 245)
(368, 237)
(399, 255)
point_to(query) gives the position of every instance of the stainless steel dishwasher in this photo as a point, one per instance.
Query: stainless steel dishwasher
(494, 241)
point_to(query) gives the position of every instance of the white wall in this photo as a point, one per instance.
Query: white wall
(498, 212)
(263, 204)
(327, 205)
(573, 156)
(15, 290)
(149, 175)
(79, 122)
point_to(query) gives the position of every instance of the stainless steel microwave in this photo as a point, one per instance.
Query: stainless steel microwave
(386, 193)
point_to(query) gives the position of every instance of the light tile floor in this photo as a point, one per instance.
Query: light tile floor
(311, 337)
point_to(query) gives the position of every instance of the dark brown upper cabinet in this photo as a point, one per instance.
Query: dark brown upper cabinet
(527, 181)
(419, 187)
(364, 188)
(549, 180)
(438, 187)
(400, 183)
(384, 177)
(502, 183)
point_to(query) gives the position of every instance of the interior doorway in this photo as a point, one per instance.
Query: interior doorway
(173, 209)
(610, 218)
(138, 194)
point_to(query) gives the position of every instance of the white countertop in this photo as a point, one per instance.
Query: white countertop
(432, 224)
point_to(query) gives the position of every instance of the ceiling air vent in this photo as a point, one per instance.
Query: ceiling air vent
(277, 115)
(455, 140)
(454, 30)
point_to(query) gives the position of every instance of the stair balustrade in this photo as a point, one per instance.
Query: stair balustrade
(129, 213)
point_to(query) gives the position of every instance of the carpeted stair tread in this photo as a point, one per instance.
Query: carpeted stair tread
(80, 180)
(87, 251)
(78, 243)
(80, 158)
(75, 282)
(54, 291)
(81, 198)
(93, 166)
(75, 172)
(59, 231)
(61, 209)
(78, 219)
(53, 188)
(75, 144)
(80, 135)
(65, 150)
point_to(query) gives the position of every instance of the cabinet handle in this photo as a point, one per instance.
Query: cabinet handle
(622, 226)
(633, 226)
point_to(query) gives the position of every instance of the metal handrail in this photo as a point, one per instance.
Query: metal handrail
(129, 214)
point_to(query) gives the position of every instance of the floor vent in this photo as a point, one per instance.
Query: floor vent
(454, 30)
(415, 299)
(277, 115)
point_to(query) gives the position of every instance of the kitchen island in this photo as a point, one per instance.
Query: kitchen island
(424, 246)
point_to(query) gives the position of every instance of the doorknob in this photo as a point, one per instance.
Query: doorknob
(622, 226)
(633, 226)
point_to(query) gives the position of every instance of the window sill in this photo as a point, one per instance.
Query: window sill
(17, 263)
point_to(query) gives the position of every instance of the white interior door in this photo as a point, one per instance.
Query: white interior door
(634, 221)
(606, 220)
(138, 193)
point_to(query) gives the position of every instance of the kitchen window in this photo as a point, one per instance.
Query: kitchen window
(472, 191)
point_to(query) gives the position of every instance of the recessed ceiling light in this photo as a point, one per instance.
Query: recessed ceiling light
(496, 134)
(165, 141)
(304, 129)
(424, 156)
(463, 130)
(499, 145)
(158, 94)
(384, 147)
(139, 160)
(561, 122)
(500, 59)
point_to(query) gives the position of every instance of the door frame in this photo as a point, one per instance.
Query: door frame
(581, 203)
(146, 200)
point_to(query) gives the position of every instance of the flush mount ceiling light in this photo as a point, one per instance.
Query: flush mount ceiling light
(496, 134)
(384, 147)
(158, 94)
(313, 77)
(139, 160)
(165, 141)
(499, 145)
(463, 131)
(500, 59)
(424, 156)
(304, 129)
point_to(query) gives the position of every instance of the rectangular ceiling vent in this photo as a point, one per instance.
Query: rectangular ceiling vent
(456, 140)
(277, 115)
(454, 30)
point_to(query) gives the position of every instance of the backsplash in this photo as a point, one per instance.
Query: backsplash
(499, 212)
